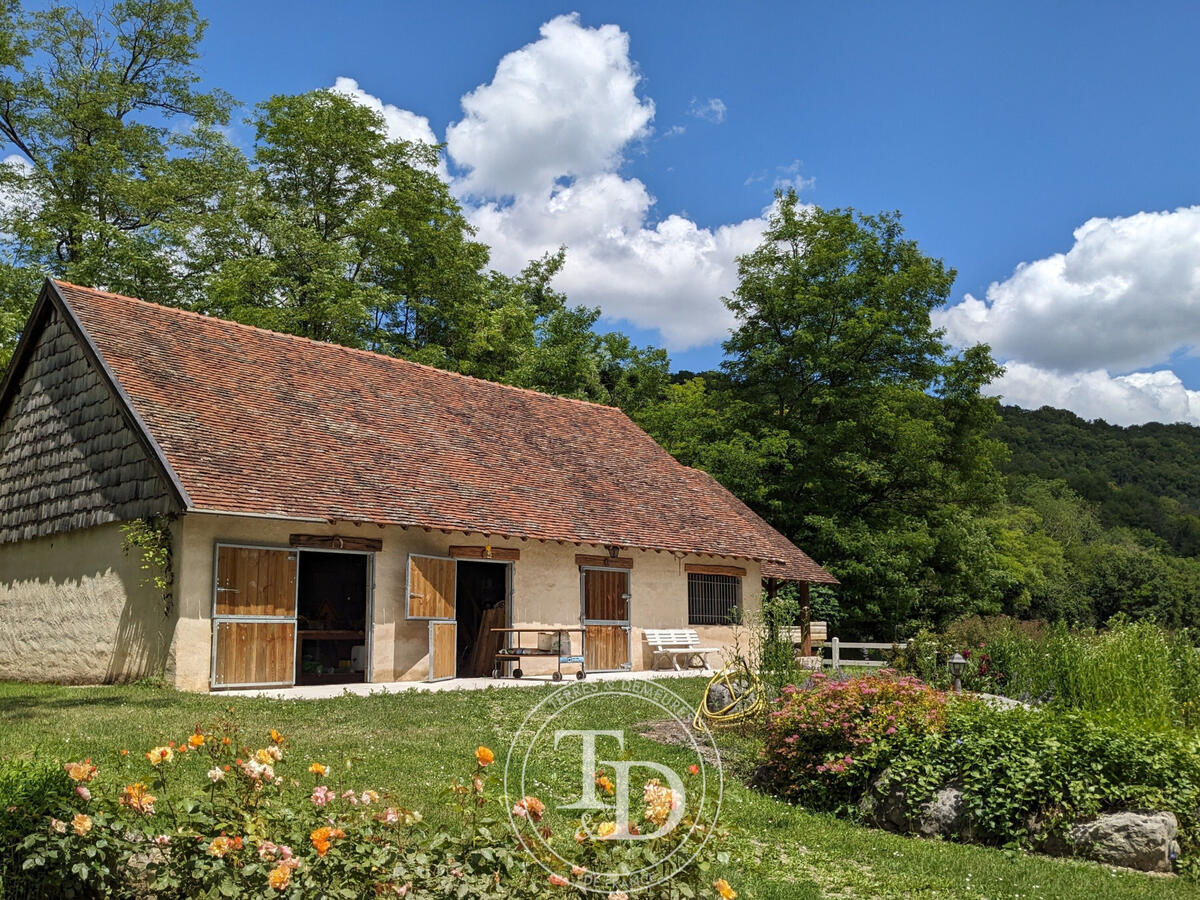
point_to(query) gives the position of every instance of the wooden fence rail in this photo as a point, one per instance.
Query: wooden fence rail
(839, 645)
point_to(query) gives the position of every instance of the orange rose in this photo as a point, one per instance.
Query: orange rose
(484, 756)
(280, 877)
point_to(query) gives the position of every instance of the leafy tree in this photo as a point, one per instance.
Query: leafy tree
(866, 441)
(117, 152)
(341, 234)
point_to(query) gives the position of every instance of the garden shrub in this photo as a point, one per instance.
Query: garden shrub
(1027, 774)
(1137, 671)
(824, 744)
(31, 792)
(210, 816)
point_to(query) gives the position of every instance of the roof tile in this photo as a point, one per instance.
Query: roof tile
(254, 421)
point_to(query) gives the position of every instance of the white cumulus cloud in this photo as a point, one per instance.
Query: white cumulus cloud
(1125, 296)
(1132, 399)
(1078, 329)
(564, 106)
(401, 124)
(537, 160)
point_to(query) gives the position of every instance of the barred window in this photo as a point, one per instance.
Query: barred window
(713, 599)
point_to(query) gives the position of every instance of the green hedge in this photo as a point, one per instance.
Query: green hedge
(1025, 774)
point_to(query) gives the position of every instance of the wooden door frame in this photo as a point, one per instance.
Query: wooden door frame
(627, 623)
(509, 592)
(216, 620)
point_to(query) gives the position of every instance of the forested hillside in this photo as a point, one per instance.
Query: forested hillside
(1143, 477)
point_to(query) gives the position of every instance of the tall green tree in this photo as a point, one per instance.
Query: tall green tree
(857, 432)
(339, 233)
(115, 151)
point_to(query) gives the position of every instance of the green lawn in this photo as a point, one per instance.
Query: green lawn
(412, 744)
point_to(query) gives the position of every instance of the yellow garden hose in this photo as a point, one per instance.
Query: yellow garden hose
(745, 693)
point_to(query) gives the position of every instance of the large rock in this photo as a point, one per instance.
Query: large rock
(883, 804)
(945, 815)
(1137, 840)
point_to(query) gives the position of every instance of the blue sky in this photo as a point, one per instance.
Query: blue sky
(998, 130)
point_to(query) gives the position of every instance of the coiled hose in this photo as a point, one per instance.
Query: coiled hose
(745, 694)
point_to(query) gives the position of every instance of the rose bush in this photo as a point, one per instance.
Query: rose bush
(253, 822)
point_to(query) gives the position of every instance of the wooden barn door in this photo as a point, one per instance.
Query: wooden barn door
(606, 618)
(432, 583)
(254, 617)
(443, 650)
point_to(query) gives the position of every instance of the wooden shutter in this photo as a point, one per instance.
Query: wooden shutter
(254, 582)
(431, 587)
(254, 617)
(604, 595)
(255, 653)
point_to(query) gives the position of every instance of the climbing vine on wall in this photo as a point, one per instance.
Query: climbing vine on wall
(152, 537)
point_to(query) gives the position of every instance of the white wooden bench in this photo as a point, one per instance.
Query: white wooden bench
(818, 632)
(672, 643)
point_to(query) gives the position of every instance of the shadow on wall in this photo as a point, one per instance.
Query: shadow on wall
(73, 609)
(142, 642)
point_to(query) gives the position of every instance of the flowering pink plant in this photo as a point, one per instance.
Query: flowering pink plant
(823, 743)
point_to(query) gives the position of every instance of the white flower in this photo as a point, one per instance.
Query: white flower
(215, 774)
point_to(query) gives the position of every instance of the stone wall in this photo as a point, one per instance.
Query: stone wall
(73, 609)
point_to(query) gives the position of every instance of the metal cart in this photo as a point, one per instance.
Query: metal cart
(519, 652)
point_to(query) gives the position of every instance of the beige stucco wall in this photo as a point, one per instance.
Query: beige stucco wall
(545, 584)
(73, 609)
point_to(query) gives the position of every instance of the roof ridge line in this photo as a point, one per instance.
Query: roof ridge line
(327, 345)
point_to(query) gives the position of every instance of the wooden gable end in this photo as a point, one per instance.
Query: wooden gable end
(71, 455)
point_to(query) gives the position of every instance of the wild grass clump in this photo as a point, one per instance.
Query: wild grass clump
(1134, 671)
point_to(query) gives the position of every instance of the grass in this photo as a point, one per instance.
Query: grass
(412, 744)
(1137, 672)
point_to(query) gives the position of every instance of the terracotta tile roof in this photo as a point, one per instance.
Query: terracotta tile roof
(257, 422)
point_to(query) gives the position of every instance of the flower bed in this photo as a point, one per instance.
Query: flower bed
(901, 754)
(254, 822)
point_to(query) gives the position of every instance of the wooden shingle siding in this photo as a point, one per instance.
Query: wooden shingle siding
(69, 458)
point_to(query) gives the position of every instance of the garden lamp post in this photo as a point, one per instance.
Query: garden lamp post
(957, 666)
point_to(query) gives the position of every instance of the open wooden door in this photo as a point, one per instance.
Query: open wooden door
(432, 583)
(606, 618)
(443, 650)
(254, 617)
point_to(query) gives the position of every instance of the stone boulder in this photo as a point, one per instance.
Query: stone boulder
(883, 804)
(1136, 840)
(945, 815)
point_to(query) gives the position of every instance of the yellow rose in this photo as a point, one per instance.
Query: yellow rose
(484, 756)
(82, 824)
(160, 755)
(724, 890)
(280, 877)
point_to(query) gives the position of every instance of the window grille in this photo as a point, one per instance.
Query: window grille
(713, 599)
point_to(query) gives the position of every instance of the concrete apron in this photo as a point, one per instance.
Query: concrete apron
(326, 691)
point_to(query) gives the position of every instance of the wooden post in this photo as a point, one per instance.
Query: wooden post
(806, 647)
